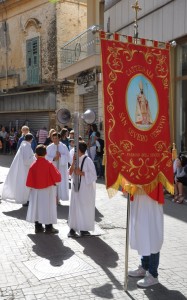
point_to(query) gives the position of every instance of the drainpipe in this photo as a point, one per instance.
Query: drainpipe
(6, 55)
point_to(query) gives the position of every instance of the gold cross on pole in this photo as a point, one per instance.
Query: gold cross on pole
(137, 8)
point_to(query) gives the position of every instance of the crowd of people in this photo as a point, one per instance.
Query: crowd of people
(180, 177)
(42, 167)
(10, 141)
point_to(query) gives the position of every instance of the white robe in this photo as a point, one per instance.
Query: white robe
(42, 206)
(82, 205)
(146, 225)
(14, 188)
(62, 166)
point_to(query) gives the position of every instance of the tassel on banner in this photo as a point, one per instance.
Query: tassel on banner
(131, 40)
(102, 34)
(143, 42)
(174, 152)
(155, 44)
(116, 36)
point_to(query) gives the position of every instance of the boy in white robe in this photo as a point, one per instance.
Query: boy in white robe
(59, 155)
(14, 188)
(146, 233)
(82, 204)
(42, 179)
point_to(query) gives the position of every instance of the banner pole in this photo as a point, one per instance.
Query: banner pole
(76, 138)
(127, 242)
(137, 8)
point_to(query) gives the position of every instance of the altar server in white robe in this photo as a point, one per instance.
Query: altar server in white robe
(14, 188)
(42, 179)
(58, 153)
(82, 203)
(72, 152)
(146, 233)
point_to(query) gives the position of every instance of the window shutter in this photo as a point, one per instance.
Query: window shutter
(32, 56)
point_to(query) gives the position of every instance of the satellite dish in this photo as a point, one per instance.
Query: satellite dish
(63, 115)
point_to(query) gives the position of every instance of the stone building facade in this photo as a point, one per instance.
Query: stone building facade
(31, 34)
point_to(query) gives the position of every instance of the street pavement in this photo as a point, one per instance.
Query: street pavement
(51, 267)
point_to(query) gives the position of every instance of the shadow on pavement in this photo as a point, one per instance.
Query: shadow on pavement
(98, 215)
(162, 293)
(17, 213)
(21, 213)
(62, 212)
(155, 292)
(104, 292)
(6, 160)
(177, 211)
(50, 247)
(103, 255)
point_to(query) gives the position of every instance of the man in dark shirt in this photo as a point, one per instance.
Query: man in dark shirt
(99, 155)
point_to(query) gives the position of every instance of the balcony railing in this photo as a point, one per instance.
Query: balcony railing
(85, 44)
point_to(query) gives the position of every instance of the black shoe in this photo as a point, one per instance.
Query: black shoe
(72, 233)
(85, 233)
(25, 204)
(51, 230)
(39, 230)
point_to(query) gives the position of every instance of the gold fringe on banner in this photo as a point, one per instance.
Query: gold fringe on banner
(132, 188)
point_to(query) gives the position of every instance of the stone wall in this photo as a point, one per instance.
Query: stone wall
(71, 20)
(24, 21)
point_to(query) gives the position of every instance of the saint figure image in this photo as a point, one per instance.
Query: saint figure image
(142, 114)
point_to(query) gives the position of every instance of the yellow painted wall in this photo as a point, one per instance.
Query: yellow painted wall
(71, 21)
(95, 12)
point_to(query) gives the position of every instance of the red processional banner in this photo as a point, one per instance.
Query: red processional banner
(136, 111)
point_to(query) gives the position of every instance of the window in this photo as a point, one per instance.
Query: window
(32, 57)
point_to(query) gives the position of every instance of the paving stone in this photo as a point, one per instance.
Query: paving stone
(36, 267)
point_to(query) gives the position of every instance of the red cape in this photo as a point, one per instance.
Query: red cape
(42, 174)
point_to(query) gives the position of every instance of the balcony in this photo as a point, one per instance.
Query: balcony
(81, 53)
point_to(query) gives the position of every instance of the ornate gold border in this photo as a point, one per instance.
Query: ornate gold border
(116, 151)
